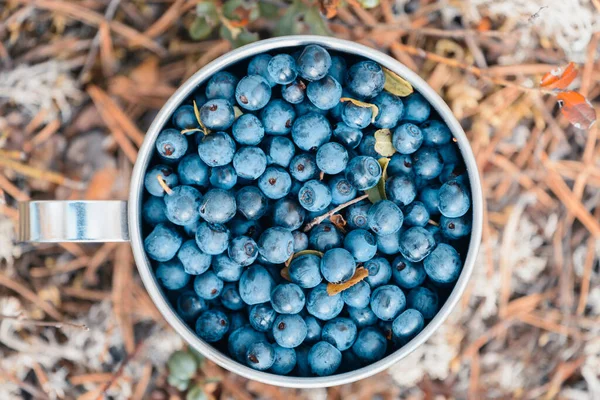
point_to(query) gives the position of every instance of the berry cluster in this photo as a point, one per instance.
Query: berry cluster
(280, 232)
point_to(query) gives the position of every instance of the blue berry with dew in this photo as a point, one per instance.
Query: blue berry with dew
(407, 325)
(338, 265)
(216, 149)
(365, 79)
(287, 298)
(305, 271)
(275, 183)
(253, 92)
(255, 285)
(323, 306)
(294, 92)
(356, 116)
(249, 162)
(194, 260)
(171, 145)
(303, 167)
(278, 117)
(212, 325)
(390, 108)
(379, 270)
(285, 360)
(310, 131)
(456, 228)
(416, 108)
(324, 359)
(370, 345)
(184, 118)
(347, 135)
(416, 243)
(443, 265)
(226, 269)
(385, 217)
(212, 239)
(157, 175)
(341, 190)
(262, 317)
(416, 214)
(401, 189)
(282, 69)
(192, 171)
(243, 250)
(224, 177)
(363, 172)
(357, 215)
(279, 150)
(435, 133)
(313, 63)
(427, 163)
(407, 274)
(221, 86)
(218, 206)
(289, 330)
(387, 302)
(454, 199)
(276, 245)
(288, 214)
(361, 244)
(314, 196)
(208, 285)
(248, 130)
(251, 202)
(332, 158)
(163, 242)
(340, 332)
(357, 296)
(217, 114)
(324, 93)
(407, 138)
(171, 275)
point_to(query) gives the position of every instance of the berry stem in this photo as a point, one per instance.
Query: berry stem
(21, 319)
(329, 213)
(163, 184)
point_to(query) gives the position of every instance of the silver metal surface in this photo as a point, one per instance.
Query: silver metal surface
(73, 221)
(144, 157)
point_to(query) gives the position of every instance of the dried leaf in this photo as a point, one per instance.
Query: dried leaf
(301, 253)
(336, 288)
(560, 78)
(578, 110)
(329, 8)
(285, 273)
(395, 84)
(383, 143)
(373, 107)
(197, 114)
(484, 25)
(237, 112)
(377, 193)
(339, 222)
(101, 184)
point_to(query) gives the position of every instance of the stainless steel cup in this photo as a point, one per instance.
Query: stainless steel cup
(119, 221)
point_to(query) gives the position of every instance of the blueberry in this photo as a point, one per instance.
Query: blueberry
(285, 360)
(226, 269)
(311, 131)
(191, 229)
(289, 330)
(347, 135)
(357, 215)
(212, 239)
(338, 68)
(313, 63)
(300, 241)
(303, 167)
(239, 226)
(224, 177)
(248, 130)
(363, 172)
(208, 285)
(216, 149)
(416, 108)
(260, 355)
(456, 228)
(218, 206)
(243, 250)
(278, 117)
(212, 325)
(306, 107)
(436, 232)
(250, 162)
(361, 244)
(362, 316)
(153, 211)
(356, 116)
(385, 218)
(325, 236)
(305, 271)
(184, 118)
(194, 261)
(357, 296)
(221, 86)
(341, 190)
(314, 196)
(251, 202)
(400, 164)
(151, 179)
(237, 320)
(340, 332)
(293, 92)
(338, 265)
(279, 150)
(423, 300)
(380, 271)
(453, 172)
(429, 196)
(259, 66)
(387, 302)
(262, 317)
(406, 274)
(370, 345)
(365, 79)
(323, 306)
(416, 214)
(192, 171)
(416, 243)
(240, 339)
(276, 245)
(349, 362)
(189, 305)
(435, 133)
(385, 327)
(288, 214)
(230, 297)
(253, 92)
(324, 359)
(449, 153)
(282, 69)
(390, 110)
(407, 138)
(367, 146)
(443, 265)
(171, 145)
(324, 93)
(332, 158)
(256, 285)
(407, 325)
(275, 183)
(401, 189)
(389, 244)
(171, 275)
(313, 327)
(287, 298)
(454, 199)
(217, 114)
(427, 163)
(302, 367)
(163, 242)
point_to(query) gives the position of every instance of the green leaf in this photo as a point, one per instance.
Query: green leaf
(200, 29)
(177, 383)
(208, 10)
(182, 365)
(383, 142)
(196, 393)
(395, 84)
(268, 10)
(289, 24)
(377, 192)
(316, 22)
(239, 10)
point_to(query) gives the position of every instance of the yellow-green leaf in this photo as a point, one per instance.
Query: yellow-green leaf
(373, 107)
(197, 114)
(395, 84)
(302, 253)
(335, 288)
(237, 112)
(377, 192)
(383, 142)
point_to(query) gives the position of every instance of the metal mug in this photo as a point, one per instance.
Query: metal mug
(120, 221)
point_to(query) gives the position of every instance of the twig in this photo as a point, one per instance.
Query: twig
(29, 388)
(34, 322)
(32, 172)
(119, 371)
(328, 214)
(31, 296)
(144, 381)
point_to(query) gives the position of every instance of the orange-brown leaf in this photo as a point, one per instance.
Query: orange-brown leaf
(101, 184)
(578, 110)
(329, 8)
(339, 221)
(335, 288)
(560, 78)
(484, 25)
(285, 274)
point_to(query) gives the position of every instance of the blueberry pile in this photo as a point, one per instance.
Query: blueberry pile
(281, 234)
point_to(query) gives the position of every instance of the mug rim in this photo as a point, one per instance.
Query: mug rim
(144, 156)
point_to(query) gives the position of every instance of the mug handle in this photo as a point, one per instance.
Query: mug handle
(52, 221)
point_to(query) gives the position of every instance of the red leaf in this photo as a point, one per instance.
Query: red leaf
(577, 109)
(560, 78)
